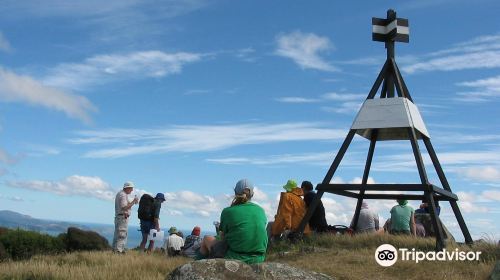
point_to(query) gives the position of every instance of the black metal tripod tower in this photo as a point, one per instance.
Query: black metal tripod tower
(391, 117)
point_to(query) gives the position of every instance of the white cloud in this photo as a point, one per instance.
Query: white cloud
(75, 185)
(312, 158)
(483, 90)
(4, 43)
(485, 174)
(7, 158)
(493, 195)
(304, 49)
(344, 108)
(292, 99)
(103, 68)
(126, 142)
(478, 53)
(343, 96)
(106, 20)
(16, 88)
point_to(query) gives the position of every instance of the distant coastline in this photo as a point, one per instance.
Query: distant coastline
(11, 219)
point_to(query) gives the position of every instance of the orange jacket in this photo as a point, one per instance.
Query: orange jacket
(291, 210)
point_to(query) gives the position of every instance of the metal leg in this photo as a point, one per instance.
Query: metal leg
(369, 158)
(440, 243)
(446, 186)
(327, 179)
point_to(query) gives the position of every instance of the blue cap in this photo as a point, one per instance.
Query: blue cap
(160, 196)
(242, 185)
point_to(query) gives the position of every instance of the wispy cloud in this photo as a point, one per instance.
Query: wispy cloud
(24, 89)
(343, 96)
(7, 158)
(314, 158)
(198, 138)
(344, 108)
(4, 43)
(246, 54)
(109, 20)
(304, 49)
(75, 185)
(292, 99)
(12, 198)
(483, 90)
(483, 174)
(348, 105)
(478, 53)
(103, 68)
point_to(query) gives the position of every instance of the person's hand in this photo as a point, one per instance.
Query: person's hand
(136, 200)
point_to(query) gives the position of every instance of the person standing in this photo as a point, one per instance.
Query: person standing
(122, 213)
(149, 216)
(318, 220)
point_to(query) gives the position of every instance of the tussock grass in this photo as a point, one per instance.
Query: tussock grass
(346, 257)
(343, 257)
(92, 265)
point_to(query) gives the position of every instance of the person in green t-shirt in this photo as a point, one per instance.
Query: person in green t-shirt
(242, 227)
(402, 218)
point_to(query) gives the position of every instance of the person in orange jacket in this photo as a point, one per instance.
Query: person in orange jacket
(291, 210)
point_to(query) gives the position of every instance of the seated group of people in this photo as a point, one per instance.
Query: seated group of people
(243, 232)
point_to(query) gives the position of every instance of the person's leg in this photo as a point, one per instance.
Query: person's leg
(206, 244)
(151, 246)
(122, 234)
(145, 233)
(115, 236)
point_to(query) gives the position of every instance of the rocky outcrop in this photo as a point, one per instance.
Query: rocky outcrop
(215, 269)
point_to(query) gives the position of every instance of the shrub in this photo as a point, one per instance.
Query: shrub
(82, 240)
(21, 244)
(3, 253)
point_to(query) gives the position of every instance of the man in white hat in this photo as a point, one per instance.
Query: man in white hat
(122, 213)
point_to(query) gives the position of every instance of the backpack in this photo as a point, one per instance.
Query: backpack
(146, 207)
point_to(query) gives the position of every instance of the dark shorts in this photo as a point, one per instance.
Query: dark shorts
(146, 226)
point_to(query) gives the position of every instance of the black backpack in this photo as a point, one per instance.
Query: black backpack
(146, 207)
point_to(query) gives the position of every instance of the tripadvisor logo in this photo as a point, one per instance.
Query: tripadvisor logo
(387, 255)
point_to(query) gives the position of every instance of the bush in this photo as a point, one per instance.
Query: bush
(3, 253)
(82, 240)
(21, 244)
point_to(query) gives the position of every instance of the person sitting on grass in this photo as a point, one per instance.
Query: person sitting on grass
(291, 210)
(402, 218)
(317, 222)
(174, 243)
(242, 231)
(367, 221)
(192, 243)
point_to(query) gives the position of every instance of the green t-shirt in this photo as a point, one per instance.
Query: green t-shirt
(400, 217)
(244, 228)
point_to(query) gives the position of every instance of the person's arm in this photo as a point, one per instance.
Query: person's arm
(125, 205)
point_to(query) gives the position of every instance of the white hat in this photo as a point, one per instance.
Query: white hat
(128, 185)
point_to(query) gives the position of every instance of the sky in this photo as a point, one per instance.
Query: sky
(186, 97)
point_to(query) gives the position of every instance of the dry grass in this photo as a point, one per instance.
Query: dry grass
(346, 257)
(92, 265)
(343, 257)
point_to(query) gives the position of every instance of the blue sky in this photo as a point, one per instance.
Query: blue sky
(187, 97)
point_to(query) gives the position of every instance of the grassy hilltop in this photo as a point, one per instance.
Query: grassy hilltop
(342, 257)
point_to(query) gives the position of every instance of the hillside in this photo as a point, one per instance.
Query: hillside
(342, 257)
